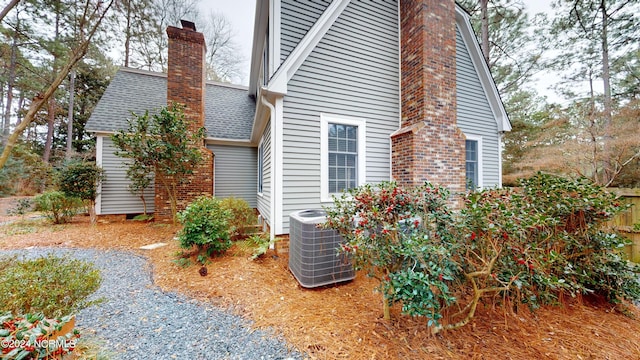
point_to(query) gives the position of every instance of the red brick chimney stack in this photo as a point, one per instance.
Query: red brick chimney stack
(186, 81)
(186, 73)
(428, 145)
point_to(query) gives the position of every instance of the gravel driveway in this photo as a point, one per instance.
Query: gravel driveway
(139, 321)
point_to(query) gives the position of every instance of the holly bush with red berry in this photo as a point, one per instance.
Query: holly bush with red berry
(549, 238)
(401, 238)
(530, 245)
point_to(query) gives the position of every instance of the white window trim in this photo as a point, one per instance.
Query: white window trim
(361, 124)
(260, 174)
(478, 139)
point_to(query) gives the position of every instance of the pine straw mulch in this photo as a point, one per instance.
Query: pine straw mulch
(345, 321)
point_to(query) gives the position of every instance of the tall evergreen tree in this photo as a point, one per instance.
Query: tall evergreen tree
(592, 35)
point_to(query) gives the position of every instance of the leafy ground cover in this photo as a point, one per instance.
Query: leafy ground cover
(346, 321)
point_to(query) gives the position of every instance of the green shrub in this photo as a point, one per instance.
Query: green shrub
(22, 207)
(57, 207)
(81, 180)
(530, 246)
(242, 215)
(549, 239)
(24, 173)
(401, 238)
(205, 225)
(34, 336)
(54, 286)
(257, 244)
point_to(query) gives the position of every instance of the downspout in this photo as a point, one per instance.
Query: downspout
(272, 203)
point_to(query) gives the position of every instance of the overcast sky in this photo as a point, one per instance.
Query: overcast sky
(241, 13)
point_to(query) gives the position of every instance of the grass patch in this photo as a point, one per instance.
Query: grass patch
(55, 286)
(90, 348)
(29, 226)
(20, 228)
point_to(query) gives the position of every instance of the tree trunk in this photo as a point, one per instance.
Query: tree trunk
(20, 105)
(51, 117)
(144, 202)
(127, 34)
(72, 82)
(606, 79)
(92, 212)
(485, 29)
(593, 131)
(10, 81)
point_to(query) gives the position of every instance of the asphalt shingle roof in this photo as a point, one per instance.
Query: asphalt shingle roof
(228, 110)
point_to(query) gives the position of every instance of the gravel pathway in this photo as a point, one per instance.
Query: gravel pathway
(139, 321)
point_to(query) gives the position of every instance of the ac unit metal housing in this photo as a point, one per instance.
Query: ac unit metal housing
(314, 259)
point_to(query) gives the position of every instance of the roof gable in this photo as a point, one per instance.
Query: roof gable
(278, 82)
(482, 69)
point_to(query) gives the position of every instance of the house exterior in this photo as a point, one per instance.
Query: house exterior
(341, 93)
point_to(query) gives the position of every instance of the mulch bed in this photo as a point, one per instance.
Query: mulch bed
(345, 321)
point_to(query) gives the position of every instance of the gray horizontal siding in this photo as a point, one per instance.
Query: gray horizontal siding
(115, 197)
(353, 72)
(297, 17)
(235, 172)
(264, 200)
(474, 113)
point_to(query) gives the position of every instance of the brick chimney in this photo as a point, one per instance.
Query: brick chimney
(186, 85)
(428, 145)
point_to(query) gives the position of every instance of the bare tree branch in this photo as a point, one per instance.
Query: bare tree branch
(38, 102)
(8, 8)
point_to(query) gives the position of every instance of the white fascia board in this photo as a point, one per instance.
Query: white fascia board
(500, 152)
(278, 82)
(233, 142)
(482, 69)
(258, 121)
(274, 36)
(262, 115)
(259, 33)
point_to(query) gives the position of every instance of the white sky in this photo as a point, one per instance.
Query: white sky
(241, 13)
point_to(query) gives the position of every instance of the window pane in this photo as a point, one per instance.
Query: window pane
(351, 146)
(333, 144)
(343, 153)
(332, 187)
(332, 130)
(352, 132)
(471, 164)
(351, 161)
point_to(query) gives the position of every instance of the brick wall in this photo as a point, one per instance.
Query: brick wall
(428, 145)
(186, 85)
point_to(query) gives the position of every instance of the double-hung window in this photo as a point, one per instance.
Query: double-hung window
(343, 157)
(473, 160)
